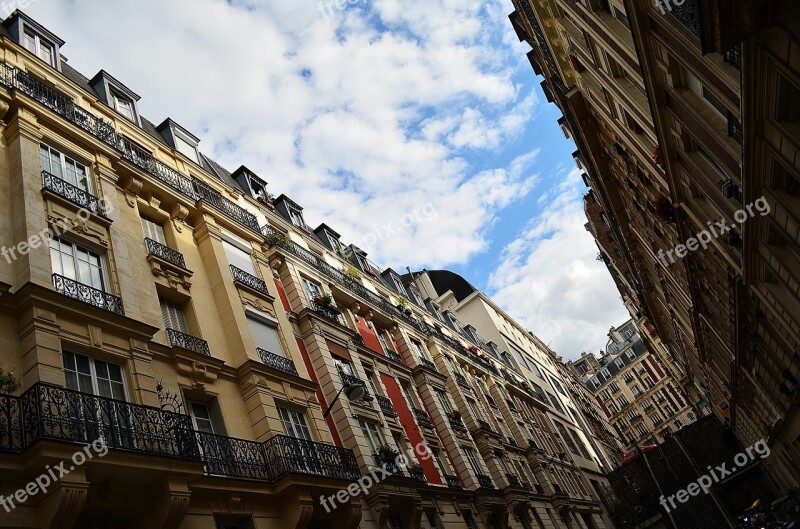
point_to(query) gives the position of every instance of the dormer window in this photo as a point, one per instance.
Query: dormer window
(116, 95)
(183, 146)
(123, 105)
(39, 47)
(296, 216)
(180, 139)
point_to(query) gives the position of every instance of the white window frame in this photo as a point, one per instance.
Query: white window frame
(196, 420)
(76, 275)
(39, 43)
(95, 390)
(118, 101)
(372, 433)
(296, 421)
(295, 216)
(65, 162)
(186, 144)
(312, 289)
(153, 230)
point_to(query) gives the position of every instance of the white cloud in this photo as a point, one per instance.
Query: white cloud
(550, 281)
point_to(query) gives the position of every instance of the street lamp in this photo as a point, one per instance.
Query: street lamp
(353, 392)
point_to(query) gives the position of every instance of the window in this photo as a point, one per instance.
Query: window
(343, 366)
(294, 423)
(520, 356)
(382, 339)
(475, 410)
(93, 376)
(296, 216)
(395, 522)
(123, 105)
(443, 400)
(174, 317)
(623, 401)
(201, 417)
(473, 461)
(62, 166)
(312, 289)
(39, 47)
(154, 231)
(265, 336)
(185, 147)
(77, 263)
(238, 257)
(372, 435)
(418, 350)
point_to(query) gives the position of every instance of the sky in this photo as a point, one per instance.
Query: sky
(415, 128)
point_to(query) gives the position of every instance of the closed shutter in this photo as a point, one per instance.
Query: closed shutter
(173, 316)
(239, 258)
(215, 413)
(153, 231)
(265, 336)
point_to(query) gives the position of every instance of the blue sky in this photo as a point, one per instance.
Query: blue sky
(420, 115)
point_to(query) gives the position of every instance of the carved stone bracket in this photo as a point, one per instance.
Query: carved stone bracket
(169, 504)
(64, 503)
(178, 216)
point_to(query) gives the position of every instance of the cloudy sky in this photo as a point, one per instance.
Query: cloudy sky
(413, 127)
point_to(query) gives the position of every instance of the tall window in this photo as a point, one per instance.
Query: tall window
(296, 216)
(154, 231)
(371, 434)
(201, 417)
(174, 317)
(62, 166)
(312, 289)
(343, 366)
(77, 263)
(265, 336)
(443, 400)
(294, 423)
(473, 461)
(239, 257)
(418, 350)
(90, 375)
(39, 47)
(475, 409)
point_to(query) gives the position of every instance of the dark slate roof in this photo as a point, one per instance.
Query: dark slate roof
(444, 280)
(637, 346)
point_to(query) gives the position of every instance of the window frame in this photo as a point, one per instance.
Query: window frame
(101, 263)
(93, 375)
(38, 43)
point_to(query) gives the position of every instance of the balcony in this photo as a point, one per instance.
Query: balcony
(281, 363)
(166, 253)
(289, 455)
(513, 481)
(359, 340)
(74, 194)
(460, 379)
(427, 364)
(395, 357)
(188, 342)
(457, 423)
(87, 294)
(688, 14)
(452, 481)
(328, 312)
(388, 464)
(418, 474)
(46, 412)
(485, 482)
(228, 208)
(386, 405)
(483, 425)
(249, 280)
(422, 417)
(233, 458)
(734, 127)
(145, 161)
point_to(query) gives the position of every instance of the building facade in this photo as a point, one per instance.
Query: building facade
(643, 403)
(243, 370)
(685, 116)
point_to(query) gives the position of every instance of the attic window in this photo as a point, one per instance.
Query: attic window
(39, 47)
(123, 105)
(296, 216)
(186, 147)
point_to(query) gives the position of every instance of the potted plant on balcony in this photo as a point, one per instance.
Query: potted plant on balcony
(324, 299)
(8, 382)
(266, 199)
(352, 273)
(387, 454)
(278, 238)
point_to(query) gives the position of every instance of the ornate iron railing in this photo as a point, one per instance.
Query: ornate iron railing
(289, 455)
(513, 480)
(452, 481)
(395, 357)
(188, 342)
(461, 379)
(164, 252)
(359, 340)
(734, 127)
(423, 418)
(74, 194)
(236, 458)
(418, 474)
(386, 405)
(55, 413)
(327, 312)
(11, 435)
(215, 199)
(483, 425)
(278, 362)
(427, 364)
(388, 464)
(144, 160)
(87, 294)
(457, 423)
(485, 482)
(249, 280)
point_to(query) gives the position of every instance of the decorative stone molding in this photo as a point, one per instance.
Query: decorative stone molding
(169, 504)
(132, 188)
(178, 216)
(61, 508)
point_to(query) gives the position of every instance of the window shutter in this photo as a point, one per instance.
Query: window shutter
(153, 231)
(239, 258)
(215, 413)
(173, 316)
(265, 336)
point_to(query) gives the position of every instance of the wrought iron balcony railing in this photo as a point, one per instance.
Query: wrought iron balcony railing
(281, 363)
(388, 465)
(215, 199)
(144, 160)
(234, 458)
(328, 312)
(164, 252)
(452, 481)
(249, 280)
(423, 418)
(418, 474)
(457, 423)
(386, 405)
(359, 340)
(290, 455)
(395, 357)
(427, 364)
(483, 425)
(188, 342)
(74, 194)
(461, 379)
(734, 56)
(734, 127)
(46, 412)
(513, 480)
(87, 294)
(485, 482)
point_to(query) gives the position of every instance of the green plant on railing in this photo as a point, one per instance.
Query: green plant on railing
(352, 273)
(402, 303)
(8, 382)
(387, 454)
(278, 238)
(324, 299)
